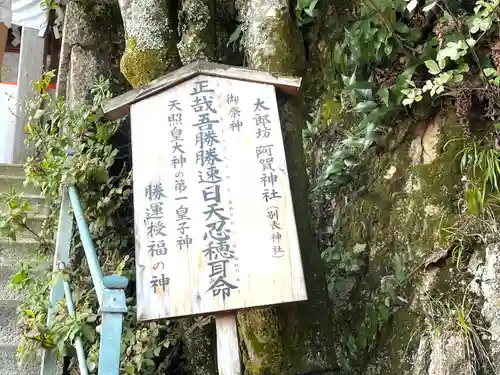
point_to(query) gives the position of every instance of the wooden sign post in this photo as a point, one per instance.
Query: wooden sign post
(214, 222)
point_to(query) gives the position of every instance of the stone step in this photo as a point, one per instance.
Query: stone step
(12, 170)
(34, 223)
(9, 365)
(37, 203)
(6, 293)
(42, 267)
(17, 183)
(12, 253)
(10, 334)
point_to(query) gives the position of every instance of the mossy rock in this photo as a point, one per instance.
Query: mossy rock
(140, 67)
(259, 332)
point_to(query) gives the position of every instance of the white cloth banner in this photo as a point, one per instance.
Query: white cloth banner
(26, 13)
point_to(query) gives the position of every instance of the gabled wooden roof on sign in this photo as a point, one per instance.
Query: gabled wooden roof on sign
(120, 106)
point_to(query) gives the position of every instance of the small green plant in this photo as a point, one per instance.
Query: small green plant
(463, 319)
(14, 217)
(458, 50)
(305, 11)
(480, 167)
(235, 37)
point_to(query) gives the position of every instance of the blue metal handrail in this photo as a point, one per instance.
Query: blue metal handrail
(88, 244)
(110, 291)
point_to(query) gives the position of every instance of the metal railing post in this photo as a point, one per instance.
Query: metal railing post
(62, 250)
(113, 309)
(110, 290)
(88, 244)
(80, 353)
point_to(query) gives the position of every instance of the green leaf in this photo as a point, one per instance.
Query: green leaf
(383, 93)
(388, 49)
(407, 101)
(485, 24)
(383, 313)
(401, 28)
(149, 362)
(91, 365)
(235, 35)
(311, 11)
(489, 72)
(365, 106)
(18, 278)
(441, 61)
(463, 68)
(88, 333)
(433, 67)
(130, 369)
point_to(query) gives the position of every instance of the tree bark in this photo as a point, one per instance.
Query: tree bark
(197, 31)
(150, 40)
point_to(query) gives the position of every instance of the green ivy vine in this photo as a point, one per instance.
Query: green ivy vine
(100, 172)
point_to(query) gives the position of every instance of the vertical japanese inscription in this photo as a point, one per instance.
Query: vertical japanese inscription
(155, 233)
(175, 120)
(268, 177)
(218, 253)
(234, 114)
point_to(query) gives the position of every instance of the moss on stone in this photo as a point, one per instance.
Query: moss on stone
(140, 67)
(400, 213)
(441, 178)
(286, 41)
(260, 332)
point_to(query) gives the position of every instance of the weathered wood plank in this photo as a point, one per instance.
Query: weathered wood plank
(228, 348)
(120, 106)
(31, 62)
(287, 84)
(215, 226)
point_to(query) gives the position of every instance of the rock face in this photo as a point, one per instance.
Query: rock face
(417, 292)
(413, 275)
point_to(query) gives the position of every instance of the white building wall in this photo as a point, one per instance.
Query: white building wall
(8, 91)
(7, 121)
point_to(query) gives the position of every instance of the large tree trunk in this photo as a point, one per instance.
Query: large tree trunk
(292, 338)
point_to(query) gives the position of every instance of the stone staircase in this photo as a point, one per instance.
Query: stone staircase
(11, 255)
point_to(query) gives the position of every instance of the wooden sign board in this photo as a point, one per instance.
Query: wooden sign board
(215, 227)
